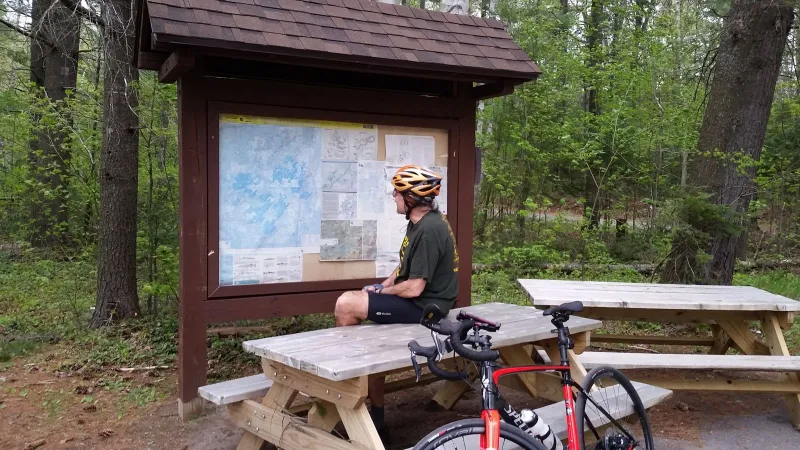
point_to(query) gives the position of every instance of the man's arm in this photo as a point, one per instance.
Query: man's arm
(407, 289)
(390, 281)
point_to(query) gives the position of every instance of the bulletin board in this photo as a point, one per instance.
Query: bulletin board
(311, 200)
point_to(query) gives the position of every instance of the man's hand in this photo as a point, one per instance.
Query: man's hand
(372, 288)
(407, 289)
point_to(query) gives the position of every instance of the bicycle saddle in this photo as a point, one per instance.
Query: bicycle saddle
(431, 315)
(566, 308)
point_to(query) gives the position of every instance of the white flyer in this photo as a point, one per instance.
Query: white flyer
(309, 243)
(422, 150)
(339, 176)
(386, 264)
(391, 232)
(263, 266)
(398, 150)
(246, 268)
(364, 144)
(339, 206)
(372, 187)
(281, 266)
(335, 144)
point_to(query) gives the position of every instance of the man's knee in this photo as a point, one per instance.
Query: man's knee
(352, 305)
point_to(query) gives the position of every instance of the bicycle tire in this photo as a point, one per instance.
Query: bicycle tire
(580, 405)
(475, 427)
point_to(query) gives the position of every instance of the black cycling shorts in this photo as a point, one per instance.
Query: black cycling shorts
(387, 308)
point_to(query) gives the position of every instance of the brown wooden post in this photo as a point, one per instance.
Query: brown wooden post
(193, 244)
(466, 192)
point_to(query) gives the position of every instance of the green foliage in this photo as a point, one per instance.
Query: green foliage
(695, 222)
(46, 298)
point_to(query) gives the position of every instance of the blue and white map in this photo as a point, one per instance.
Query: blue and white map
(299, 198)
(270, 181)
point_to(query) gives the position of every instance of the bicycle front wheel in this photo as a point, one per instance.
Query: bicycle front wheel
(615, 396)
(465, 434)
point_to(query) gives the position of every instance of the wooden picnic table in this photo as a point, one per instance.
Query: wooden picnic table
(728, 309)
(331, 368)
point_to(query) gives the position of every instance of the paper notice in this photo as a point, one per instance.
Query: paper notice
(261, 266)
(386, 264)
(339, 176)
(246, 269)
(408, 149)
(309, 243)
(364, 144)
(422, 150)
(283, 267)
(335, 144)
(339, 206)
(372, 187)
(391, 232)
(398, 150)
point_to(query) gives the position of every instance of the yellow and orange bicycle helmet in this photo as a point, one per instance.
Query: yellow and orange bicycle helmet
(423, 184)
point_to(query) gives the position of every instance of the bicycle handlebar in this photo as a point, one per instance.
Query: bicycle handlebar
(461, 349)
(430, 353)
(457, 332)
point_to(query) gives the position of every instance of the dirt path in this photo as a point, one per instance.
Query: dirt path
(57, 410)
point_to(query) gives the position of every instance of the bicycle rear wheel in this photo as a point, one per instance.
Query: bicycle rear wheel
(615, 394)
(465, 435)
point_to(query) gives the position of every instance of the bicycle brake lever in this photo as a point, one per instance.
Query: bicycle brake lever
(417, 369)
(440, 347)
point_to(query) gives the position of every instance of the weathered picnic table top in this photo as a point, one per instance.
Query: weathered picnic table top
(595, 294)
(348, 352)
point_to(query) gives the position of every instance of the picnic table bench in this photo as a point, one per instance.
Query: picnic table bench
(728, 309)
(330, 369)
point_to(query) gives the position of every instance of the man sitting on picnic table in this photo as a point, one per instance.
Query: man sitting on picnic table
(428, 270)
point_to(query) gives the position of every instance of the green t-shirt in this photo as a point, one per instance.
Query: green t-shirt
(429, 252)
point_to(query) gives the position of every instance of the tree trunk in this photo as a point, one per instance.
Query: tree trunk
(594, 38)
(735, 121)
(117, 296)
(55, 38)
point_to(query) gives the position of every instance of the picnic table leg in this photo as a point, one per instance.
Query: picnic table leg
(324, 415)
(777, 346)
(359, 426)
(742, 337)
(278, 397)
(722, 342)
(272, 421)
(449, 394)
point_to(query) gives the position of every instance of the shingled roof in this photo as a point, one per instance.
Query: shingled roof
(360, 31)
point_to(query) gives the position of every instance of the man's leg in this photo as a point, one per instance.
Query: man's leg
(351, 308)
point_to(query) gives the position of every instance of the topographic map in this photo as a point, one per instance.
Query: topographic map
(344, 240)
(339, 176)
(270, 183)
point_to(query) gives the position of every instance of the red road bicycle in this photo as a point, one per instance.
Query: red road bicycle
(500, 423)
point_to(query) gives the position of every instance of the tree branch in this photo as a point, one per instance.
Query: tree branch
(83, 12)
(16, 28)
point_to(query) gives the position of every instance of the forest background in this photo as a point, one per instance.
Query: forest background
(661, 143)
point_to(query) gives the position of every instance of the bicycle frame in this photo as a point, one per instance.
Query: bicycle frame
(491, 415)
(490, 374)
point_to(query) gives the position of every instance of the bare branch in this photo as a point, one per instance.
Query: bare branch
(16, 28)
(84, 13)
